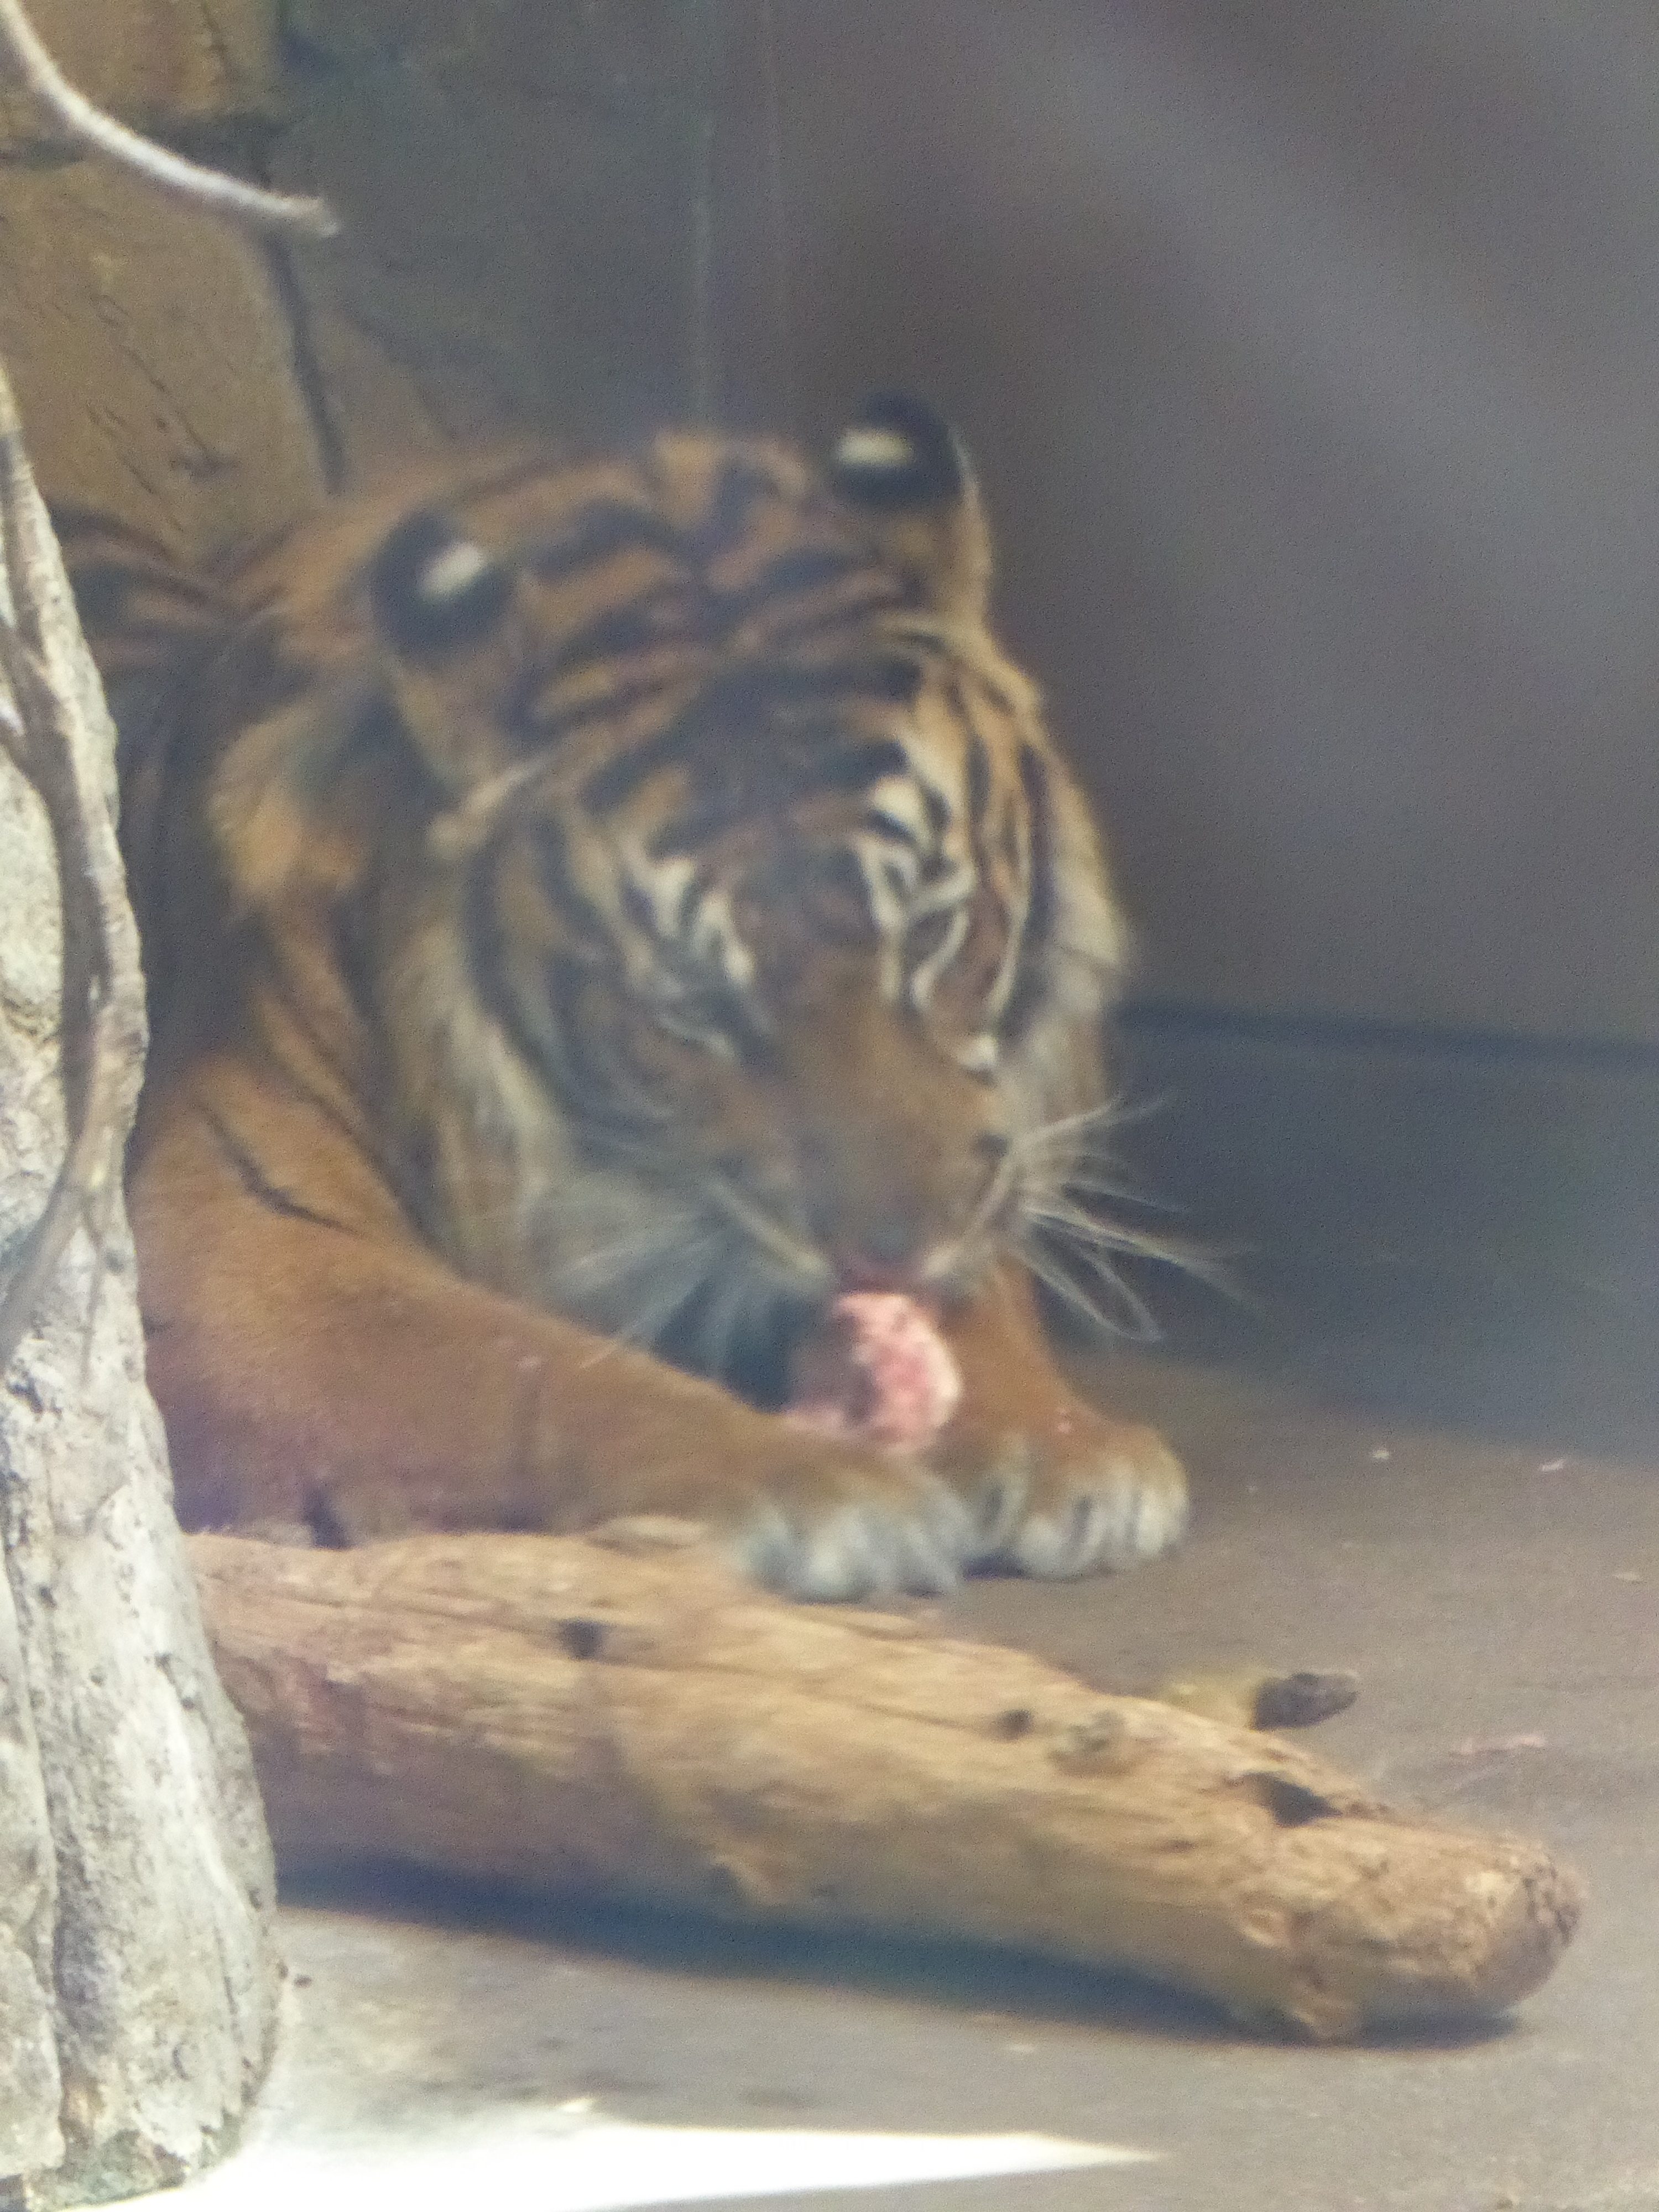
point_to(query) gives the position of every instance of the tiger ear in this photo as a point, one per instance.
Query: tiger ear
(439, 597)
(434, 589)
(903, 470)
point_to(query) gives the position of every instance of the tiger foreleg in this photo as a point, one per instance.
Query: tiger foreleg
(317, 1366)
(1055, 1487)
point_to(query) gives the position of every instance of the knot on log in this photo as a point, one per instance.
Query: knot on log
(1293, 1804)
(1104, 1744)
(1012, 1723)
(1253, 1697)
(619, 1640)
(1305, 1698)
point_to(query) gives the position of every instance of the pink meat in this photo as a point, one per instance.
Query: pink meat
(876, 1369)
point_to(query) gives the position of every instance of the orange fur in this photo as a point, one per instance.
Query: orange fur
(604, 906)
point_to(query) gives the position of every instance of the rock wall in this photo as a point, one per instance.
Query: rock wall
(137, 1976)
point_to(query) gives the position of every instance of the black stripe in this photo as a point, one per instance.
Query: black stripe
(351, 927)
(552, 852)
(154, 630)
(608, 787)
(979, 786)
(1040, 911)
(881, 596)
(639, 910)
(257, 1183)
(887, 826)
(772, 788)
(549, 1056)
(520, 718)
(586, 1082)
(691, 898)
(350, 1115)
(632, 628)
(891, 677)
(751, 698)
(605, 527)
(101, 589)
(742, 483)
(805, 569)
(978, 777)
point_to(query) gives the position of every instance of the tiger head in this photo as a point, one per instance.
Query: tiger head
(681, 870)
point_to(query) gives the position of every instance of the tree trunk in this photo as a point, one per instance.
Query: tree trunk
(137, 1975)
(583, 1718)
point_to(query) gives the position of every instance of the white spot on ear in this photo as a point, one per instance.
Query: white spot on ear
(451, 572)
(870, 448)
(979, 1056)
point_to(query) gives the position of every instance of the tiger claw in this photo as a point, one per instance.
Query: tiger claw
(1123, 1504)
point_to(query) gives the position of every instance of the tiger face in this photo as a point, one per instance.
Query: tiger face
(750, 936)
(648, 885)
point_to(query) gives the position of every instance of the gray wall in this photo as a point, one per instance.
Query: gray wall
(1311, 352)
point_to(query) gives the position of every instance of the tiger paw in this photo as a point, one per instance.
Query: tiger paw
(1050, 1487)
(1067, 1493)
(832, 1524)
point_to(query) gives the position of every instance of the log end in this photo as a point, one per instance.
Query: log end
(1463, 1953)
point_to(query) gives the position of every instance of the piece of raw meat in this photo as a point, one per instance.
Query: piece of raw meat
(876, 1369)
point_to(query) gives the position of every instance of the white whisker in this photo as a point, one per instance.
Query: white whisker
(1096, 1186)
(1068, 1127)
(736, 1300)
(649, 1320)
(1092, 1231)
(611, 1261)
(804, 1263)
(1121, 1298)
(1047, 1271)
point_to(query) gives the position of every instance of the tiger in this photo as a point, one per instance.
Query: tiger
(596, 913)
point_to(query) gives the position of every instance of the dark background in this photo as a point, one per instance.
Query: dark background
(1311, 358)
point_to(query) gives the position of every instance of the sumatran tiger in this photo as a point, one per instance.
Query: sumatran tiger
(596, 914)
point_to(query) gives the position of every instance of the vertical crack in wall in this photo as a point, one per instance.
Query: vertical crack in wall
(295, 310)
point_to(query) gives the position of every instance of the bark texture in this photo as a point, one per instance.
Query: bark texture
(137, 1976)
(205, 68)
(152, 347)
(617, 1717)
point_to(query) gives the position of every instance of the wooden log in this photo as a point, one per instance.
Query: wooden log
(617, 1717)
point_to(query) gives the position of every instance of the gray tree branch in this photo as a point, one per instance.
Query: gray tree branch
(293, 213)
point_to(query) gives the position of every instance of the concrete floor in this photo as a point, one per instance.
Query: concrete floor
(1499, 1604)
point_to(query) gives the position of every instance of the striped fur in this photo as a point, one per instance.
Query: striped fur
(612, 908)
